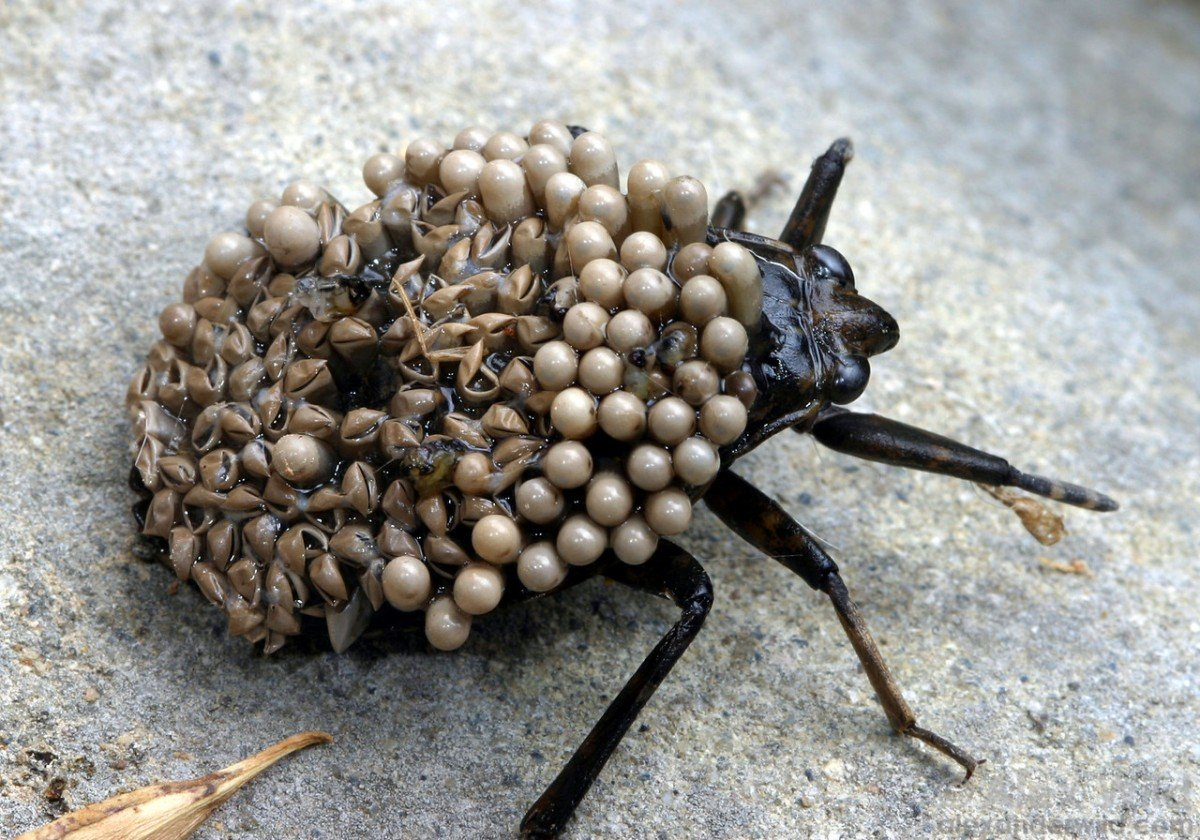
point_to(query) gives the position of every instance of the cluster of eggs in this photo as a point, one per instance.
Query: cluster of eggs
(499, 368)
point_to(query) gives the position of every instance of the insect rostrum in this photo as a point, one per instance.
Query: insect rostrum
(501, 377)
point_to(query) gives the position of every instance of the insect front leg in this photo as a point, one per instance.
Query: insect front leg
(806, 225)
(670, 573)
(759, 520)
(876, 438)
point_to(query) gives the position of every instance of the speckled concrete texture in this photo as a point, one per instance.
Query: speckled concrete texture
(1023, 200)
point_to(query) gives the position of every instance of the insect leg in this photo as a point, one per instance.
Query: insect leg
(670, 573)
(877, 438)
(759, 520)
(806, 225)
(730, 211)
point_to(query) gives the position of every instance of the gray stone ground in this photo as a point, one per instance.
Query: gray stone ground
(1024, 200)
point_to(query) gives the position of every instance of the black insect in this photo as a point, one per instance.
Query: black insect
(809, 333)
(809, 358)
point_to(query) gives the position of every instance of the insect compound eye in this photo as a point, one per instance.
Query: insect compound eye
(850, 380)
(824, 263)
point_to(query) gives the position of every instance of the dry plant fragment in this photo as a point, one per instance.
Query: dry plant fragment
(171, 810)
(1046, 526)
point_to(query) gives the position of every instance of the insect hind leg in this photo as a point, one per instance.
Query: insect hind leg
(670, 573)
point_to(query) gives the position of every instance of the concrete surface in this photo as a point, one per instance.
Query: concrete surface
(1024, 200)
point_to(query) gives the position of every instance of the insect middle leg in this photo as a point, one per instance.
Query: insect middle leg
(670, 573)
(759, 520)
